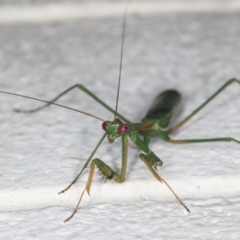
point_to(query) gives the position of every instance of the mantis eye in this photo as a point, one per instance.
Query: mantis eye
(123, 129)
(105, 125)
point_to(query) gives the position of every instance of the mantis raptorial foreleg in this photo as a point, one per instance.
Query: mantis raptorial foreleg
(149, 163)
(85, 165)
(107, 172)
(152, 162)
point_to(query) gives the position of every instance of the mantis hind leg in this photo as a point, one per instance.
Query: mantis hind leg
(83, 89)
(229, 82)
(164, 136)
(204, 140)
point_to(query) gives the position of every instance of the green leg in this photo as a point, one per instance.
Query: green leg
(147, 138)
(229, 82)
(154, 160)
(85, 165)
(164, 136)
(105, 171)
(149, 163)
(82, 88)
(182, 141)
(151, 160)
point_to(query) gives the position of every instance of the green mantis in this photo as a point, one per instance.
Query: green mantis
(155, 123)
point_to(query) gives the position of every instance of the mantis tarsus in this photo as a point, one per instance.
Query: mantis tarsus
(155, 123)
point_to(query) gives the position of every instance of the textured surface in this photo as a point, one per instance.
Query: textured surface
(195, 54)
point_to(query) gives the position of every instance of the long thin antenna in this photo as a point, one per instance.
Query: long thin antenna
(59, 105)
(121, 57)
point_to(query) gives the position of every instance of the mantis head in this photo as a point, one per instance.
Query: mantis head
(115, 129)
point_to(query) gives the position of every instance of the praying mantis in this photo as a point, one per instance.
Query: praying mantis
(154, 123)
